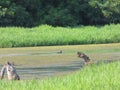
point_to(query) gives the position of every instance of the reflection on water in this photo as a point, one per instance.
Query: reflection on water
(30, 54)
(45, 71)
(27, 73)
(39, 72)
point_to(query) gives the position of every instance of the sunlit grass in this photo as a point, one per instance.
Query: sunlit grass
(95, 77)
(45, 35)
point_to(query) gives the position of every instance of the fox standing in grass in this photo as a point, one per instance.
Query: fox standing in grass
(11, 72)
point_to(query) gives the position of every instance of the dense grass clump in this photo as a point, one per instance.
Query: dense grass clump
(95, 77)
(45, 35)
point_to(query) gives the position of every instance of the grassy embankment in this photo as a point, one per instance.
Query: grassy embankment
(45, 35)
(95, 77)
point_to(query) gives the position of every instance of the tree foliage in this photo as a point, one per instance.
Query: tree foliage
(30, 13)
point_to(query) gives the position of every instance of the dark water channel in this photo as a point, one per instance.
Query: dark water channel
(38, 72)
(50, 70)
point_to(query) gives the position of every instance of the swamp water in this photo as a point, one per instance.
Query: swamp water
(27, 72)
(40, 62)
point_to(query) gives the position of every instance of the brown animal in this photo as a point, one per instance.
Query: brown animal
(11, 72)
(85, 57)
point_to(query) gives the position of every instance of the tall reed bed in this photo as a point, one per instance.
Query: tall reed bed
(46, 35)
(96, 77)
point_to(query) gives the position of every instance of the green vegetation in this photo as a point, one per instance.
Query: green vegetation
(95, 77)
(30, 13)
(45, 35)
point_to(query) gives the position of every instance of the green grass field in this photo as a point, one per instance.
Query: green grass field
(95, 77)
(45, 35)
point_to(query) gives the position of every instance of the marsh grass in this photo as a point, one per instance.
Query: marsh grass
(95, 77)
(46, 35)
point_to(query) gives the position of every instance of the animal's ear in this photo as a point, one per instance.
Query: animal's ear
(8, 63)
(78, 53)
